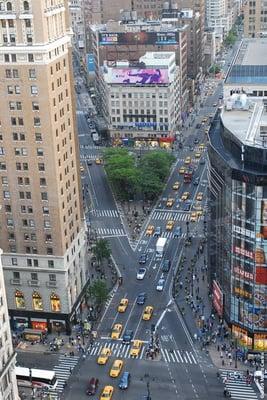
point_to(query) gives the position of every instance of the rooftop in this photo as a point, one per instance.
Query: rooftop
(247, 121)
(250, 63)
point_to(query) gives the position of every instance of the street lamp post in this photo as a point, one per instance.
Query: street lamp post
(235, 352)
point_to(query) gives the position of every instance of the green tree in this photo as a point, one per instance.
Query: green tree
(157, 161)
(98, 292)
(151, 185)
(230, 38)
(214, 69)
(101, 250)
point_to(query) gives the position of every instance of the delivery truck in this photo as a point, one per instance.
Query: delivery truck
(160, 247)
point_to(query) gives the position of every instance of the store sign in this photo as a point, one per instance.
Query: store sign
(243, 231)
(217, 298)
(242, 273)
(135, 38)
(243, 252)
(242, 292)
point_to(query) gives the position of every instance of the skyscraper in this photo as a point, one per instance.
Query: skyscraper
(255, 19)
(42, 230)
(8, 383)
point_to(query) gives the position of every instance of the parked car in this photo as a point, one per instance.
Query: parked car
(92, 387)
(125, 380)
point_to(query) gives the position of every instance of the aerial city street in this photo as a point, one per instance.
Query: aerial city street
(134, 200)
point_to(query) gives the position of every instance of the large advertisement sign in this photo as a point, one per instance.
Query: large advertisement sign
(217, 298)
(140, 76)
(135, 38)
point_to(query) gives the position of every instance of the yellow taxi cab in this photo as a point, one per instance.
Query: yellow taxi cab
(116, 331)
(169, 225)
(185, 196)
(204, 120)
(176, 185)
(193, 217)
(116, 368)
(197, 155)
(150, 230)
(123, 305)
(201, 147)
(107, 393)
(207, 130)
(199, 196)
(136, 348)
(170, 202)
(181, 170)
(98, 161)
(187, 160)
(147, 314)
(104, 356)
(199, 212)
(81, 168)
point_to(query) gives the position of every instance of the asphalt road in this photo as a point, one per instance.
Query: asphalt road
(180, 372)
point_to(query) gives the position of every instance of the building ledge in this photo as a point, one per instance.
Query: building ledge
(7, 365)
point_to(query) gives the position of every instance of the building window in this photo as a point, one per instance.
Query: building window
(35, 106)
(38, 137)
(34, 90)
(9, 6)
(51, 263)
(26, 6)
(37, 301)
(34, 276)
(55, 302)
(19, 299)
(32, 73)
(36, 121)
(14, 261)
(28, 23)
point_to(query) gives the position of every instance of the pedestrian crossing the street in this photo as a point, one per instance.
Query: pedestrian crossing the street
(170, 215)
(122, 350)
(236, 384)
(105, 213)
(63, 371)
(107, 232)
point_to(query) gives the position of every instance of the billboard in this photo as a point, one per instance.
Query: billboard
(140, 76)
(217, 298)
(135, 38)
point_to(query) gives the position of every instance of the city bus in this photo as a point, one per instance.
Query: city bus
(36, 378)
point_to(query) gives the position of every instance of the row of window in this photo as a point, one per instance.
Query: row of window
(28, 223)
(140, 95)
(11, 38)
(33, 276)
(22, 151)
(17, 106)
(29, 237)
(8, 6)
(32, 262)
(22, 181)
(11, 23)
(19, 136)
(37, 301)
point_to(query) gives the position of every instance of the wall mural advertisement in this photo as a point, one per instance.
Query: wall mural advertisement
(135, 38)
(140, 76)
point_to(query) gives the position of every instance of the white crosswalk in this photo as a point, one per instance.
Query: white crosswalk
(85, 157)
(63, 371)
(170, 235)
(105, 213)
(123, 351)
(178, 356)
(237, 386)
(107, 232)
(167, 215)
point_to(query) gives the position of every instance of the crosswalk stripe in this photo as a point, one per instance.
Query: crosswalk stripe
(237, 385)
(179, 354)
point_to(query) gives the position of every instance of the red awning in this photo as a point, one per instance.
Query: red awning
(166, 139)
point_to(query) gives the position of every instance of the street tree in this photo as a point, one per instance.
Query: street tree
(98, 292)
(159, 162)
(101, 250)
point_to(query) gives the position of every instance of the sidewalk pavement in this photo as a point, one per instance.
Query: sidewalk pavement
(80, 336)
(193, 297)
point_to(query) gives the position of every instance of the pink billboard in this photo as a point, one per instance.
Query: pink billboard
(140, 76)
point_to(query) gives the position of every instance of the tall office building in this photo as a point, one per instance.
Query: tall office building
(255, 18)
(42, 229)
(237, 246)
(8, 383)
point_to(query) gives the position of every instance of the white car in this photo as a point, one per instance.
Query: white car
(141, 274)
(160, 285)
